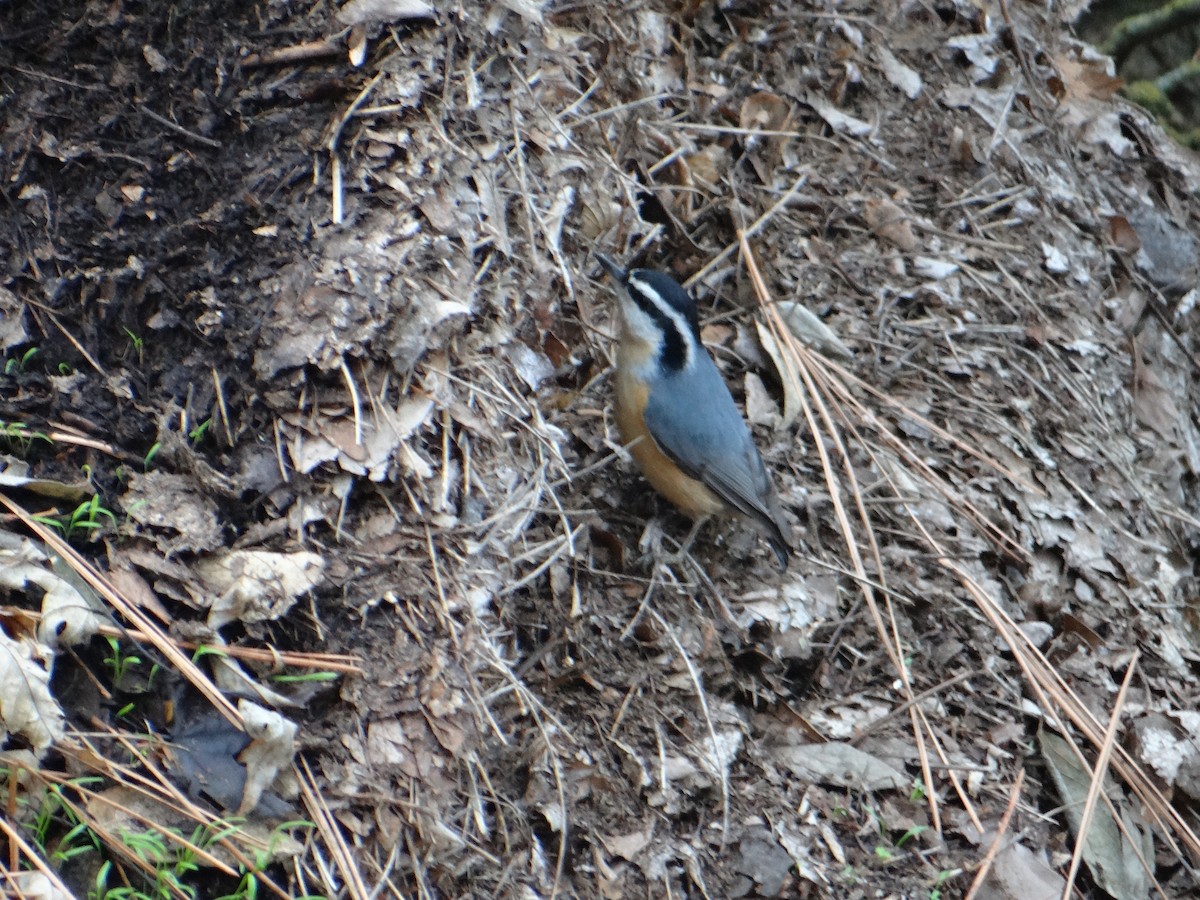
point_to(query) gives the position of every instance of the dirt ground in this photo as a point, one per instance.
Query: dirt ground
(318, 285)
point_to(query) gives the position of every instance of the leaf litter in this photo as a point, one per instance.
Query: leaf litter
(407, 368)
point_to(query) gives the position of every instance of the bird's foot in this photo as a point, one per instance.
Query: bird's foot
(651, 544)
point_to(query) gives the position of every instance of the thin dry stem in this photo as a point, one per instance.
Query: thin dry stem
(1014, 797)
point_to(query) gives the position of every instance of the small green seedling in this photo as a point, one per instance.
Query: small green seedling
(204, 650)
(936, 893)
(119, 663)
(305, 678)
(138, 345)
(18, 436)
(17, 365)
(85, 517)
(196, 435)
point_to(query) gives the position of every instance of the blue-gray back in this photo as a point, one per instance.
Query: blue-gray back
(693, 418)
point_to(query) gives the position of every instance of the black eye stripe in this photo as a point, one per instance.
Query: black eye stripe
(669, 293)
(675, 351)
(671, 309)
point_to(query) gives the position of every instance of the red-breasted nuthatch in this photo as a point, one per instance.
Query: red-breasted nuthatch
(676, 415)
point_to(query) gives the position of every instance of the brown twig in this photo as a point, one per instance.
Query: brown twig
(320, 49)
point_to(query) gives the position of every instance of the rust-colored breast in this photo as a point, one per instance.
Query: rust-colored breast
(668, 479)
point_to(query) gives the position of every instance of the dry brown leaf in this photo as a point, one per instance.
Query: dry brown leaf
(257, 585)
(1166, 745)
(26, 706)
(768, 112)
(30, 885)
(842, 123)
(12, 320)
(272, 746)
(231, 678)
(1153, 404)
(1020, 874)
(792, 387)
(841, 765)
(627, 846)
(890, 222)
(171, 503)
(1085, 91)
(155, 60)
(1107, 848)
(70, 612)
(764, 111)
(760, 406)
(530, 10)
(1123, 234)
(979, 51)
(129, 583)
(1169, 255)
(14, 473)
(710, 163)
(1085, 79)
(809, 328)
(901, 77)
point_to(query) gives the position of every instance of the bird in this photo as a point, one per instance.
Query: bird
(676, 415)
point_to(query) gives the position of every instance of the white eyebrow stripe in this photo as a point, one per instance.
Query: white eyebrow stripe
(668, 312)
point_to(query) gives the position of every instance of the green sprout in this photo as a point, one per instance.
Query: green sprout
(119, 663)
(196, 435)
(85, 517)
(139, 345)
(205, 650)
(305, 678)
(17, 365)
(247, 889)
(18, 436)
(53, 813)
(936, 893)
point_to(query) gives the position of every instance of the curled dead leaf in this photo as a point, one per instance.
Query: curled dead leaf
(906, 80)
(257, 585)
(764, 111)
(26, 706)
(272, 745)
(788, 374)
(890, 222)
(1123, 235)
(808, 327)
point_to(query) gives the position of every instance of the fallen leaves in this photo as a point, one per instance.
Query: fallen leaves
(182, 516)
(71, 614)
(887, 220)
(841, 765)
(27, 708)
(256, 585)
(1116, 854)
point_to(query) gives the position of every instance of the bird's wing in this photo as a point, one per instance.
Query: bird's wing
(696, 424)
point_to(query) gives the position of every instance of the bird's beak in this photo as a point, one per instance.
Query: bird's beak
(617, 274)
